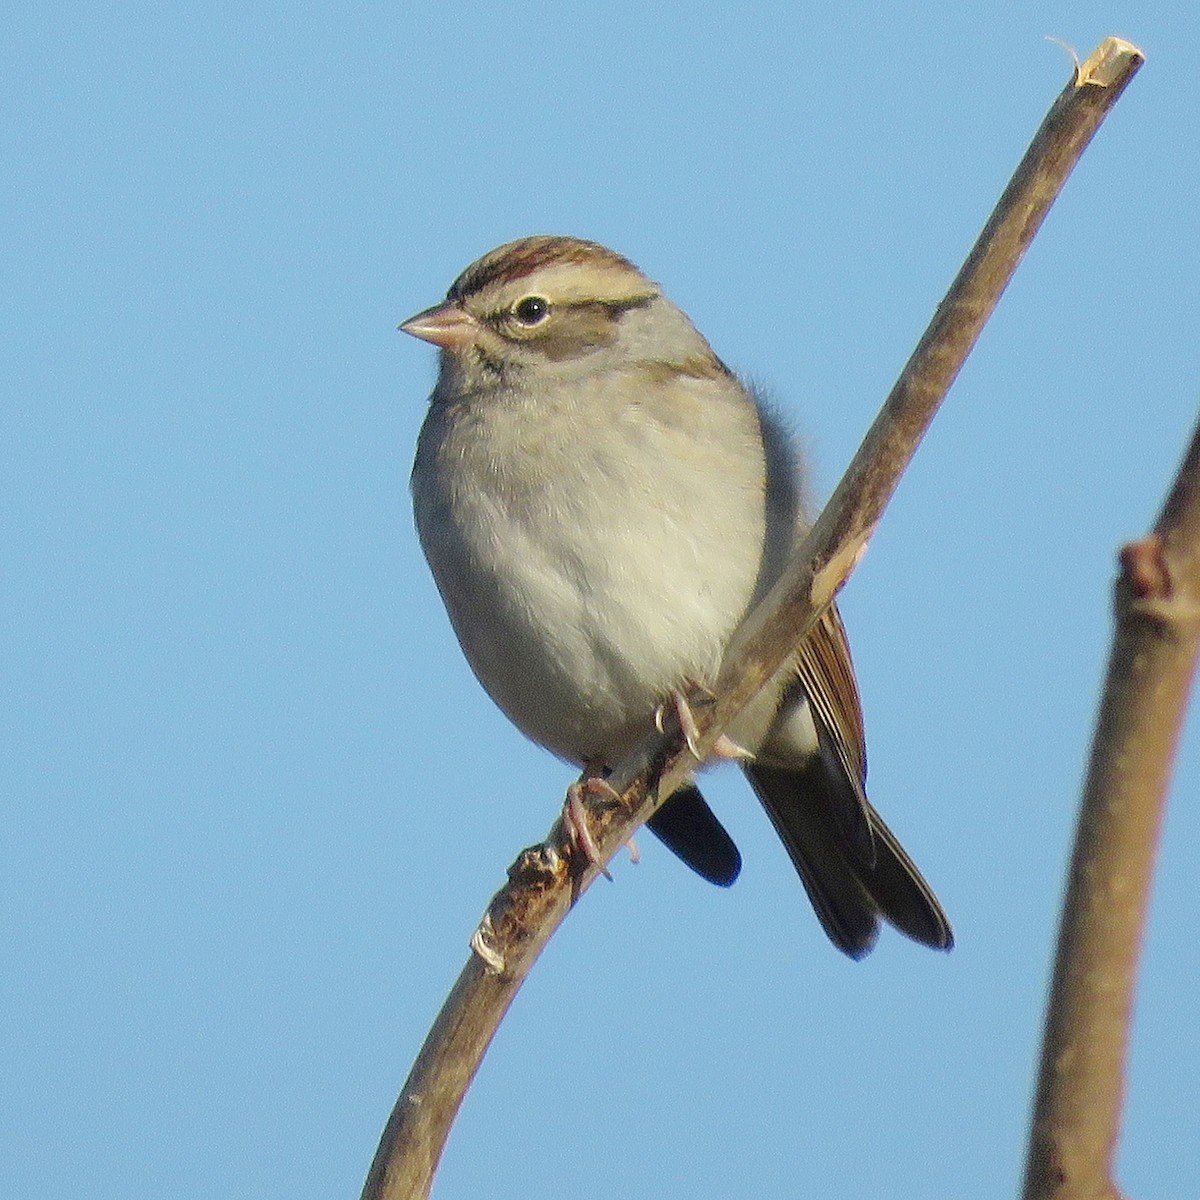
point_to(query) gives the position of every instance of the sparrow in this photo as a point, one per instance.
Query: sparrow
(601, 502)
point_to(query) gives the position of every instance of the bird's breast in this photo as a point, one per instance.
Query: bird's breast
(588, 566)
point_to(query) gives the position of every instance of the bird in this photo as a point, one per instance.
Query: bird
(601, 502)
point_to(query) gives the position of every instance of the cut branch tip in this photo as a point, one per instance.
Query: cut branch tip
(1110, 62)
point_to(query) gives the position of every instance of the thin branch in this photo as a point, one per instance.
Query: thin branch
(1081, 1086)
(546, 879)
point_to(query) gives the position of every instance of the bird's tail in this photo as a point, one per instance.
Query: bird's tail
(849, 891)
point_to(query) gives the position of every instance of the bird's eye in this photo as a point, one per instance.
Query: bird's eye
(533, 310)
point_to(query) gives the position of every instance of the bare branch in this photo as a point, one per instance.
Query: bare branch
(546, 879)
(1081, 1086)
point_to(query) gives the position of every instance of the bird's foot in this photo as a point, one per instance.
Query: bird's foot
(575, 819)
(724, 747)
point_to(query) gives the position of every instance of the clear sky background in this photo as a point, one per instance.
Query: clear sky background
(254, 802)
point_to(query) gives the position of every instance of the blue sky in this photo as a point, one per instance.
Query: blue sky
(253, 800)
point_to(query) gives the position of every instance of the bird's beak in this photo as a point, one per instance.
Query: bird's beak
(446, 325)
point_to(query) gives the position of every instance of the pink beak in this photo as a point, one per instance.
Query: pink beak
(445, 325)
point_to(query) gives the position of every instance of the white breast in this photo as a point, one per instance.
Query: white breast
(594, 555)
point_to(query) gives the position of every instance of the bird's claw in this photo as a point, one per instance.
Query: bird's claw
(724, 747)
(575, 819)
(687, 724)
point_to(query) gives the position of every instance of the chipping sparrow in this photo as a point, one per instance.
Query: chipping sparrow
(601, 502)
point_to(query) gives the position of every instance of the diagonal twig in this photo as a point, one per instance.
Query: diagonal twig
(547, 879)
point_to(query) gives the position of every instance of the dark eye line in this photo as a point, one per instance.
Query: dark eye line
(620, 307)
(615, 309)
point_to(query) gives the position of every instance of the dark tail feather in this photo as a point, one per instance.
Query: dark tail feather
(689, 828)
(847, 891)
